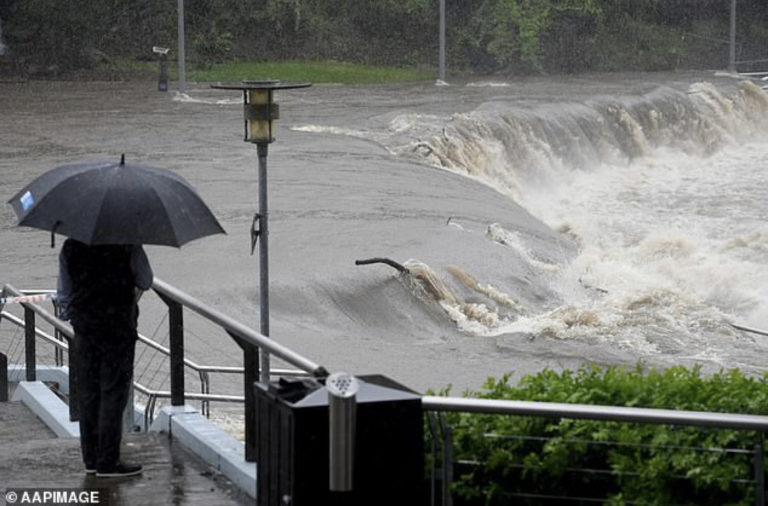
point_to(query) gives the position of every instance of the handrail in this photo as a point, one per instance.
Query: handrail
(736, 421)
(67, 330)
(60, 325)
(242, 331)
(153, 395)
(45, 336)
(201, 397)
(591, 412)
(214, 368)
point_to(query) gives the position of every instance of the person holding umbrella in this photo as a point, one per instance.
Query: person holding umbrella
(108, 211)
(98, 290)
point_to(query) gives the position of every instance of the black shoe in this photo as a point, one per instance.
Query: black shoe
(120, 471)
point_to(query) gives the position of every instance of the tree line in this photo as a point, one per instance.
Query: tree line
(511, 36)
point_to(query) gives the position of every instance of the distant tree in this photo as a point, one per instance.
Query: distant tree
(521, 36)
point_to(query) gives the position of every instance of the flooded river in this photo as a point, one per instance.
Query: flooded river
(546, 222)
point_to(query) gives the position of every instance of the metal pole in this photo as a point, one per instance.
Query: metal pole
(251, 371)
(442, 40)
(74, 367)
(759, 472)
(447, 461)
(263, 255)
(182, 74)
(29, 344)
(732, 58)
(176, 332)
(3, 378)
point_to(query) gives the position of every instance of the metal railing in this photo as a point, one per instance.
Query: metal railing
(251, 342)
(61, 345)
(441, 430)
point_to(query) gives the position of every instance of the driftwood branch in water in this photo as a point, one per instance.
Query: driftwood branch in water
(391, 263)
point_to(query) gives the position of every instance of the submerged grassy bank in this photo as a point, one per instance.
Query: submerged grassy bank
(313, 71)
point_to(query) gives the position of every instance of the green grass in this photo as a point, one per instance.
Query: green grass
(316, 72)
(311, 71)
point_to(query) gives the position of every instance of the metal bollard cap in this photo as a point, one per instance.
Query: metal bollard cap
(342, 384)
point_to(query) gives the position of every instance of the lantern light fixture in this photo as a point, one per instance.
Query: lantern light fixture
(259, 107)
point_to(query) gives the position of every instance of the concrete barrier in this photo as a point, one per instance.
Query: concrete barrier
(47, 406)
(208, 441)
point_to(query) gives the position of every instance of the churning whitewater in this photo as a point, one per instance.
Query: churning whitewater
(663, 194)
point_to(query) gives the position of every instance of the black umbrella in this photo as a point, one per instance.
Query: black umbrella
(115, 203)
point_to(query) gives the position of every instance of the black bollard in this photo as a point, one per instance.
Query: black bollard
(162, 80)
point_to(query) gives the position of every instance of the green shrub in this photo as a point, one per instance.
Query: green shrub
(499, 457)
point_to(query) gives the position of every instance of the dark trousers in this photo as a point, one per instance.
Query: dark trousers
(105, 372)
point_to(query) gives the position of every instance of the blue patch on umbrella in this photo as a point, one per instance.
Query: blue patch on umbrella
(27, 200)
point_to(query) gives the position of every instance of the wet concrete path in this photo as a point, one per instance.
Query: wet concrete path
(31, 456)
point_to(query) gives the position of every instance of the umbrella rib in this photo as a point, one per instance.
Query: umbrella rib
(104, 200)
(165, 208)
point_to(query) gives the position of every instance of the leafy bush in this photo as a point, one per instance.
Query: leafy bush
(499, 457)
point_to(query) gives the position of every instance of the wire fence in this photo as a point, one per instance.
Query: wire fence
(628, 464)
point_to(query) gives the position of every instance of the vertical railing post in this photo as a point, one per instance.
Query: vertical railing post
(3, 361)
(759, 461)
(433, 452)
(447, 461)
(176, 333)
(74, 367)
(29, 344)
(58, 353)
(3, 378)
(250, 376)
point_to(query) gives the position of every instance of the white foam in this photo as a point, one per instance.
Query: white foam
(327, 129)
(488, 84)
(188, 99)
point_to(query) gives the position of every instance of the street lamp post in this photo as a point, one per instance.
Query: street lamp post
(260, 111)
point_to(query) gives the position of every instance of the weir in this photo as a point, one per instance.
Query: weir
(511, 147)
(182, 438)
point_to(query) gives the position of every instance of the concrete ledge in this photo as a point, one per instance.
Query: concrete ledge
(209, 442)
(49, 373)
(60, 376)
(47, 406)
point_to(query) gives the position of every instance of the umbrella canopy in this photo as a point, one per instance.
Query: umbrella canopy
(115, 203)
